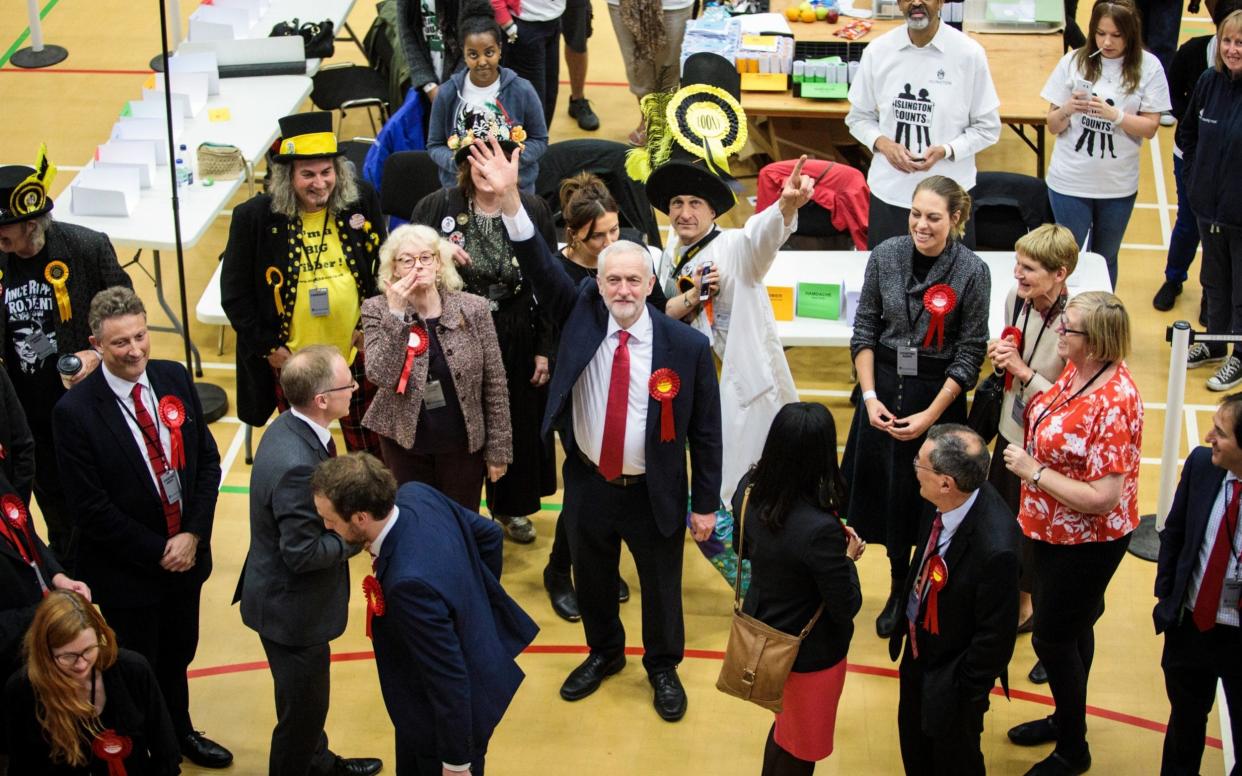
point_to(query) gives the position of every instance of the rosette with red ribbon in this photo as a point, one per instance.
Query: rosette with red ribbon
(172, 413)
(664, 385)
(15, 527)
(939, 300)
(112, 747)
(937, 578)
(14, 511)
(375, 599)
(1015, 334)
(415, 347)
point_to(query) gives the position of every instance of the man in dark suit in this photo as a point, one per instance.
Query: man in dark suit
(961, 615)
(294, 586)
(141, 472)
(631, 388)
(1198, 577)
(446, 634)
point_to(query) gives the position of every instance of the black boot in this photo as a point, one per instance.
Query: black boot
(886, 623)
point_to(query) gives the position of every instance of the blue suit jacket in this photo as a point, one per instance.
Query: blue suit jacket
(1183, 535)
(580, 311)
(446, 644)
(117, 510)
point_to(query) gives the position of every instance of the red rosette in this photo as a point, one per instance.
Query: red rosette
(939, 300)
(664, 386)
(1015, 334)
(112, 747)
(937, 578)
(172, 413)
(375, 599)
(416, 345)
(14, 511)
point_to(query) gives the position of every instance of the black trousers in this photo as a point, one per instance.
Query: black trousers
(1192, 663)
(1221, 277)
(51, 498)
(166, 634)
(559, 559)
(887, 221)
(1068, 595)
(301, 679)
(457, 475)
(954, 751)
(537, 57)
(601, 516)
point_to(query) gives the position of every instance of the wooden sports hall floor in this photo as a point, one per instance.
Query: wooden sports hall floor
(73, 105)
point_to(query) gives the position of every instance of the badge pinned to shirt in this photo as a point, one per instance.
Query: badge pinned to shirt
(447, 224)
(357, 221)
(458, 239)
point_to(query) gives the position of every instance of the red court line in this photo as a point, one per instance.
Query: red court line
(75, 71)
(711, 654)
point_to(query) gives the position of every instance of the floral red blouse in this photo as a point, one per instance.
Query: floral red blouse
(1086, 439)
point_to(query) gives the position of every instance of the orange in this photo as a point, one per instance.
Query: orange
(808, 16)
(792, 13)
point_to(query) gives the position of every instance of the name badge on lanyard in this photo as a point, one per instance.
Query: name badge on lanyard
(1230, 593)
(319, 302)
(172, 485)
(433, 396)
(40, 344)
(1019, 410)
(908, 361)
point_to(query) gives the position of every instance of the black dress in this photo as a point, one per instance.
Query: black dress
(133, 707)
(523, 331)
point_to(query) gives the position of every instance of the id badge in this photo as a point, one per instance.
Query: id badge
(172, 485)
(1019, 411)
(433, 395)
(319, 302)
(908, 361)
(1229, 593)
(41, 345)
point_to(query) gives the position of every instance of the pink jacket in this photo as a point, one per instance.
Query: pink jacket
(505, 11)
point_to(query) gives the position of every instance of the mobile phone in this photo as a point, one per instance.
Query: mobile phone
(704, 290)
(1082, 86)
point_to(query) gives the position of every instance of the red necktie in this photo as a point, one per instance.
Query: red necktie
(331, 447)
(1208, 602)
(920, 582)
(151, 435)
(612, 450)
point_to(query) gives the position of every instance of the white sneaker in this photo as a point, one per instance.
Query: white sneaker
(1228, 376)
(1201, 355)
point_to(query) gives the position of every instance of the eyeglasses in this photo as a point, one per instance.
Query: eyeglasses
(406, 260)
(70, 659)
(1063, 327)
(918, 466)
(353, 385)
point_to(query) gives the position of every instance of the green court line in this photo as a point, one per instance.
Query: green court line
(244, 489)
(17, 44)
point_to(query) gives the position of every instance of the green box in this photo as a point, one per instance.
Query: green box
(819, 300)
(818, 90)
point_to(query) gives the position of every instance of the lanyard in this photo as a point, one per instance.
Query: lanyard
(1052, 313)
(1053, 406)
(156, 442)
(697, 248)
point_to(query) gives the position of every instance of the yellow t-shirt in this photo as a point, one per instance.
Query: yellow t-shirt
(324, 267)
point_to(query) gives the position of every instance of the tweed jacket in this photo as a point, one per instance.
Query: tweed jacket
(262, 261)
(472, 351)
(92, 268)
(888, 287)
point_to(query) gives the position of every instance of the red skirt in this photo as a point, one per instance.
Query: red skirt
(805, 727)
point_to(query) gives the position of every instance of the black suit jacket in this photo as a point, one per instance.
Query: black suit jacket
(1183, 535)
(978, 608)
(19, 595)
(119, 514)
(583, 318)
(16, 442)
(259, 241)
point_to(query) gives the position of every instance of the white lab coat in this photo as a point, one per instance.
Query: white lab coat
(755, 381)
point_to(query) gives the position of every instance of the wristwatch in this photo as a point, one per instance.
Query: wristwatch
(1038, 473)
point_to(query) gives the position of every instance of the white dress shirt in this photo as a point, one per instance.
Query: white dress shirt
(1224, 615)
(322, 433)
(943, 91)
(124, 393)
(950, 521)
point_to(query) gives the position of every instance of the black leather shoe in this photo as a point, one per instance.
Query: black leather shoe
(1057, 764)
(623, 593)
(586, 678)
(1037, 674)
(203, 752)
(1166, 296)
(886, 623)
(358, 766)
(1034, 733)
(560, 587)
(670, 696)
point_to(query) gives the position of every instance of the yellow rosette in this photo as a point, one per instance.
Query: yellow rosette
(57, 273)
(276, 279)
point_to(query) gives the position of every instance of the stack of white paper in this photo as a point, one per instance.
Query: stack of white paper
(105, 192)
(216, 22)
(155, 129)
(191, 87)
(203, 62)
(135, 154)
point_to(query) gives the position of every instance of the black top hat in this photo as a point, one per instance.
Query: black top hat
(23, 194)
(307, 136)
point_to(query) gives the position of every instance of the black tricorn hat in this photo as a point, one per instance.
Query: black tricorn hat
(23, 194)
(307, 136)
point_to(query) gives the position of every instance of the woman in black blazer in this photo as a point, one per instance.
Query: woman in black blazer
(802, 557)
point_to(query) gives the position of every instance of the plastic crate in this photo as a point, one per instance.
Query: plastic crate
(849, 51)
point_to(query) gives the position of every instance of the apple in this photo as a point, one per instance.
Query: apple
(821, 12)
(833, 15)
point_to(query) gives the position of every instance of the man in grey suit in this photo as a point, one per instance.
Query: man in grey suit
(294, 587)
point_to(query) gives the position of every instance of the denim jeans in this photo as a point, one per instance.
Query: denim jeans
(1184, 240)
(1104, 219)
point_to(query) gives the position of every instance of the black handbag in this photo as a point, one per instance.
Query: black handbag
(319, 37)
(985, 409)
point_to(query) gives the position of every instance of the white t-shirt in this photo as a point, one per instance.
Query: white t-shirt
(476, 97)
(1092, 158)
(541, 10)
(940, 94)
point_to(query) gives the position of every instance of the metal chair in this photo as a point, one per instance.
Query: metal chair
(408, 177)
(347, 86)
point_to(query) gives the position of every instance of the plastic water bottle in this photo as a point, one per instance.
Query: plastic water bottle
(185, 174)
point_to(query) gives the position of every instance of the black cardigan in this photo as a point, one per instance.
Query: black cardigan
(793, 571)
(133, 707)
